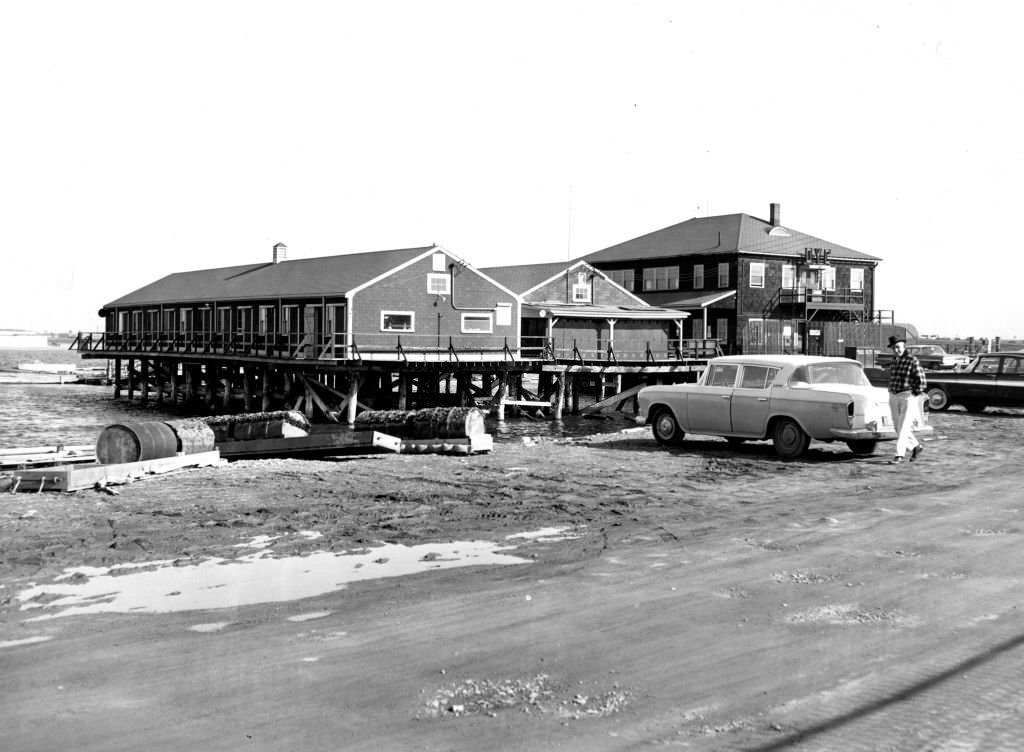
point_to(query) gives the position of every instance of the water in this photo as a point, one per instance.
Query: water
(73, 414)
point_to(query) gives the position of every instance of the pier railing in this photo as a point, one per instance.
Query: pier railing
(401, 348)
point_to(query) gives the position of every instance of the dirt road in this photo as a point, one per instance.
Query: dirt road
(698, 598)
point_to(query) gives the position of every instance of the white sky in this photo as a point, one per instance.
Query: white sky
(144, 138)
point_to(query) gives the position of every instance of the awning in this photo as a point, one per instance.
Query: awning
(697, 300)
(585, 311)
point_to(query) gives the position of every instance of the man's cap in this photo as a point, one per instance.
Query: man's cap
(894, 339)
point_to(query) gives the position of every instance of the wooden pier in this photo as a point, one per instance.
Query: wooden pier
(335, 390)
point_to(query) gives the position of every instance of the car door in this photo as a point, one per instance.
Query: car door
(1010, 383)
(980, 384)
(751, 399)
(708, 406)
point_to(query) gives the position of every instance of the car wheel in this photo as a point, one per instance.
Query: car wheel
(789, 439)
(938, 399)
(862, 446)
(666, 429)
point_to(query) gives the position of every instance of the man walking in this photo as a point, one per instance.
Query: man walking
(907, 383)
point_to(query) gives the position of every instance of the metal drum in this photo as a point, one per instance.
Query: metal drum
(133, 442)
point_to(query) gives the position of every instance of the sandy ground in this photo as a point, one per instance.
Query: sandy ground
(698, 598)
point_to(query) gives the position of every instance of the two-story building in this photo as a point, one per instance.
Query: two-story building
(573, 311)
(753, 284)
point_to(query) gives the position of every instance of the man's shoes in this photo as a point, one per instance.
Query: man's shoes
(916, 451)
(897, 460)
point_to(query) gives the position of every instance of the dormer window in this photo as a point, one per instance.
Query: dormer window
(780, 232)
(581, 289)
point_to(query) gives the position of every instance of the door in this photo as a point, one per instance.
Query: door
(1010, 385)
(708, 407)
(980, 385)
(751, 400)
(336, 328)
(312, 331)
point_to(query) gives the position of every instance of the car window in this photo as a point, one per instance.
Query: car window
(837, 373)
(722, 375)
(987, 365)
(757, 377)
(1012, 366)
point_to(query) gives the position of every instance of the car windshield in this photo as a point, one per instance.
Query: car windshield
(927, 350)
(831, 373)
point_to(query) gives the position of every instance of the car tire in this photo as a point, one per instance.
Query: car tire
(665, 427)
(789, 439)
(938, 399)
(862, 446)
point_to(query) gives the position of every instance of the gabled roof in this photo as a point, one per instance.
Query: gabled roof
(527, 278)
(524, 278)
(727, 233)
(327, 275)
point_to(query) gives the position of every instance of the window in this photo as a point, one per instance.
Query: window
(757, 377)
(757, 274)
(438, 260)
(698, 276)
(856, 279)
(266, 320)
(722, 330)
(661, 278)
(828, 278)
(438, 284)
(723, 275)
(503, 313)
(397, 321)
(722, 375)
(477, 323)
(581, 289)
(622, 277)
(788, 277)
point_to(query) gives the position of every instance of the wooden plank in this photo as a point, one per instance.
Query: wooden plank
(528, 403)
(78, 448)
(78, 477)
(614, 402)
(321, 442)
(385, 441)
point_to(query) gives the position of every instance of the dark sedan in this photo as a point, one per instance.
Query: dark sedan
(931, 357)
(990, 380)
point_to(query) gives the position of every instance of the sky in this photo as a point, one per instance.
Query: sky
(140, 139)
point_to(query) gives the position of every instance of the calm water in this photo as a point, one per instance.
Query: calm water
(47, 414)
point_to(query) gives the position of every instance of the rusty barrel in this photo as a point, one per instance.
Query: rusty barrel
(134, 442)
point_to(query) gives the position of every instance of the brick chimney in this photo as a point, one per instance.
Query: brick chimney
(776, 214)
(281, 252)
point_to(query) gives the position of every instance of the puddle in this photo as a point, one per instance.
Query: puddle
(213, 626)
(24, 641)
(161, 587)
(546, 535)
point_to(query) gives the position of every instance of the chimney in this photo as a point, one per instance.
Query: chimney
(776, 212)
(281, 252)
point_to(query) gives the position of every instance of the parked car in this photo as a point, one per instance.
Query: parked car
(990, 380)
(931, 357)
(790, 399)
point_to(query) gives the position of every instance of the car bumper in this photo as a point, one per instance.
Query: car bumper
(862, 434)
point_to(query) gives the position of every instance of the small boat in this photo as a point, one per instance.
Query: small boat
(37, 372)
